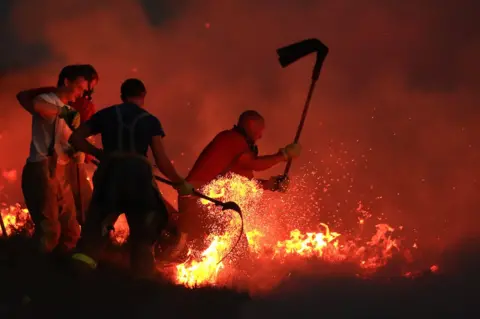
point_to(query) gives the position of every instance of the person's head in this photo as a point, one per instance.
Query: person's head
(87, 70)
(92, 80)
(133, 91)
(252, 123)
(72, 82)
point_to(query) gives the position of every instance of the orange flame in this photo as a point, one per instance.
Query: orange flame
(206, 269)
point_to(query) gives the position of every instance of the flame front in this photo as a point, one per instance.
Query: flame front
(325, 244)
(264, 242)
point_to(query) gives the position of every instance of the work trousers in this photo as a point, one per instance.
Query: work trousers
(125, 184)
(51, 206)
(81, 189)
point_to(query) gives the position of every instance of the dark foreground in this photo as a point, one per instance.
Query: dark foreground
(29, 290)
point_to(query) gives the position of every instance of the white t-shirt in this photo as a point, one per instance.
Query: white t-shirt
(42, 131)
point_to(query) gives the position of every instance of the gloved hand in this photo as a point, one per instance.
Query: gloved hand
(291, 151)
(279, 183)
(71, 116)
(184, 188)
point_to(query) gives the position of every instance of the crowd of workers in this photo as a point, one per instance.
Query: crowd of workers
(72, 221)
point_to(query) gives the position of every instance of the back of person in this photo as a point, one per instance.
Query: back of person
(126, 131)
(125, 128)
(123, 182)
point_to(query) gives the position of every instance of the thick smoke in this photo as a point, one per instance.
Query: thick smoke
(397, 93)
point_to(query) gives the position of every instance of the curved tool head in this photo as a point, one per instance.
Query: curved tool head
(233, 206)
(293, 52)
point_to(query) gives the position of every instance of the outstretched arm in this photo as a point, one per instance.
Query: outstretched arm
(163, 162)
(260, 163)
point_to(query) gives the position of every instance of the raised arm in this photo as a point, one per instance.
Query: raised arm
(26, 97)
(46, 110)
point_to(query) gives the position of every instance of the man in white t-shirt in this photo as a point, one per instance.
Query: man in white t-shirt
(47, 193)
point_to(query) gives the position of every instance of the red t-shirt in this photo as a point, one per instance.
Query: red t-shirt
(85, 107)
(219, 157)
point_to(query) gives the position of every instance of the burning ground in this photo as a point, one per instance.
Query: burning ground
(291, 261)
(282, 234)
(398, 93)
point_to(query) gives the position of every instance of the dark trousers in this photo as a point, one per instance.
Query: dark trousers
(51, 206)
(125, 185)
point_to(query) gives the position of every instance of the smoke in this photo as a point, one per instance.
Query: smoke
(397, 93)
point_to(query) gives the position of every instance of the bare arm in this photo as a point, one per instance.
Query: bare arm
(260, 163)
(46, 110)
(163, 162)
(26, 97)
(79, 141)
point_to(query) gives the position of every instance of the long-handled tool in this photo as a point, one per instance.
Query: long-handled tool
(225, 206)
(290, 54)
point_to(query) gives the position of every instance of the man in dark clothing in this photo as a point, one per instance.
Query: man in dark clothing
(124, 181)
(75, 171)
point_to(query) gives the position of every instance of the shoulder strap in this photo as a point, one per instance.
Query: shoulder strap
(120, 129)
(130, 128)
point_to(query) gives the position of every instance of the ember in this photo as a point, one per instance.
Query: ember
(325, 245)
(266, 243)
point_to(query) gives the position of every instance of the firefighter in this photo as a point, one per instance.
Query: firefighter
(124, 181)
(231, 151)
(47, 192)
(76, 171)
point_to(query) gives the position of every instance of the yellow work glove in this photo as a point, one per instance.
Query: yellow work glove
(291, 151)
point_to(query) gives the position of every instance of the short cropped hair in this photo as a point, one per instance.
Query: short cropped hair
(132, 88)
(74, 71)
(248, 116)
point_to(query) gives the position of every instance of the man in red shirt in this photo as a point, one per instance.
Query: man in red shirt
(231, 151)
(76, 172)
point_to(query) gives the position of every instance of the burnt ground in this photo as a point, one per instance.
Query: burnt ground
(30, 288)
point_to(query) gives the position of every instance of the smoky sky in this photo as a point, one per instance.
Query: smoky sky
(398, 94)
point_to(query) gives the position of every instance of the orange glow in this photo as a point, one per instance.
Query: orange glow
(263, 244)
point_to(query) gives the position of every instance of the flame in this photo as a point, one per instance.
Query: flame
(204, 271)
(326, 245)
(264, 244)
(16, 219)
